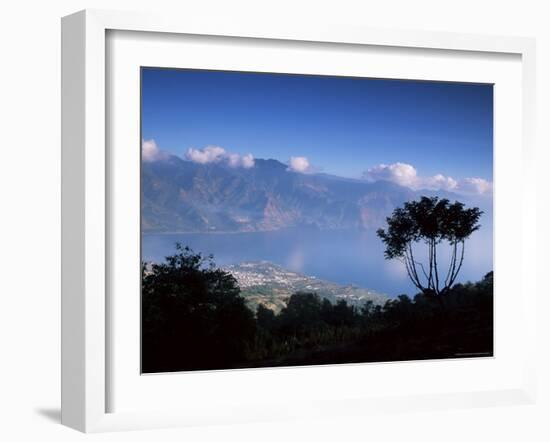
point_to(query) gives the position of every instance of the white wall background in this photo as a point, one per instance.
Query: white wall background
(30, 219)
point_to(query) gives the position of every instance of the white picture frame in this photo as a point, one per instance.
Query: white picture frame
(86, 316)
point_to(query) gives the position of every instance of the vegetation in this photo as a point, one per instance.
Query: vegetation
(194, 318)
(431, 221)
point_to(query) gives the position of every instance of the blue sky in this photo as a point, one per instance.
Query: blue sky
(343, 126)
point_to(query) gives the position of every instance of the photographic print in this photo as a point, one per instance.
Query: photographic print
(295, 220)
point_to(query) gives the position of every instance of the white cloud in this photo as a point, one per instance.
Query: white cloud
(399, 173)
(150, 151)
(406, 175)
(216, 154)
(438, 182)
(210, 154)
(248, 161)
(299, 164)
(234, 159)
(477, 186)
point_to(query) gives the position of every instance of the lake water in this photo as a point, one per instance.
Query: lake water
(341, 256)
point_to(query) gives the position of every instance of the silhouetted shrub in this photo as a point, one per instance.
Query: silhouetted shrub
(193, 316)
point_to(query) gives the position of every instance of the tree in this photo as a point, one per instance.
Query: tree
(301, 315)
(430, 221)
(193, 316)
(265, 317)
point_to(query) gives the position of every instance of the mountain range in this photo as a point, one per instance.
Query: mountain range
(183, 196)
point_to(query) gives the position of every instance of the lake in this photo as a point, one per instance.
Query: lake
(342, 256)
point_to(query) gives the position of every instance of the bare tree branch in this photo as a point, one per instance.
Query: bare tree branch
(411, 277)
(435, 267)
(451, 264)
(417, 262)
(459, 265)
(413, 266)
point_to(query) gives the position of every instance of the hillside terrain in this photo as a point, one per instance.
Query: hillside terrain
(271, 285)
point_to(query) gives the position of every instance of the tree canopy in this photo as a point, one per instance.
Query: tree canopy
(430, 221)
(193, 314)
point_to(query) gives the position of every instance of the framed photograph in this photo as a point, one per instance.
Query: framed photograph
(266, 222)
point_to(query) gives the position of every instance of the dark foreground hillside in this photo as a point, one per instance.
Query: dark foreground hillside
(194, 318)
(437, 339)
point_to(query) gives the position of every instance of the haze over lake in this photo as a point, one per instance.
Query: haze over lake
(343, 256)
